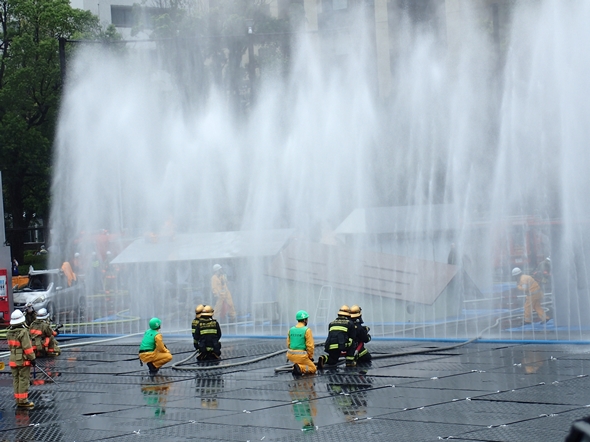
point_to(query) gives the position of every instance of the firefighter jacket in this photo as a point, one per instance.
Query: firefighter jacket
(301, 338)
(528, 285)
(207, 334)
(149, 342)
(20, 346)
(362, 332)
(341, 334)
(194, 325)
(41, 333)
(219, 286)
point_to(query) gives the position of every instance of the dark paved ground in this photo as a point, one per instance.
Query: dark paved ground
(478, 392)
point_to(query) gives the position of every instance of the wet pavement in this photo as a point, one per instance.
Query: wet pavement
(477, 392)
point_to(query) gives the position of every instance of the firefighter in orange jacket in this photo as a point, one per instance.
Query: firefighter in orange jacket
(300, 346)
(152, 350)
(22, 357)
(534, 296)
(43, 336)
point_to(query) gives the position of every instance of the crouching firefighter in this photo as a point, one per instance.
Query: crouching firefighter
(206, 336)
(43, 336)
(152, 350)
(362, 335)
(22, 357)
(340, 340)
(300, 346)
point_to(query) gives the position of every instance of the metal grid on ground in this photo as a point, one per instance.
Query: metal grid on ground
(110, 399)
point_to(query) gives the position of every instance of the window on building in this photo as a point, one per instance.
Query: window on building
(122, 16)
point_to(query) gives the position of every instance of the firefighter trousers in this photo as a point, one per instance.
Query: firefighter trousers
(155, 357)
(533, 302)
(21, 380)
(300, 358)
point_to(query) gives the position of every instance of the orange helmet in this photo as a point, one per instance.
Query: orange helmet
(355, 311)
(344, 311)
(199, 309)
(207, 311)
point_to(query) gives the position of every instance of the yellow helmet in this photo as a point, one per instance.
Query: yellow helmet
(199, 309)
(344, 311)
(355, 311)
(207, 311)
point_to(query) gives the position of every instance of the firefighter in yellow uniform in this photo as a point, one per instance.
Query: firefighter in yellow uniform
(225, 304)
(152, 350)
(300, 346)
(207, 334)
(43, 336)
(22, 357)
(534, 296)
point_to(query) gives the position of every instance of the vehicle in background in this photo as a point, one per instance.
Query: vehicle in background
(49, 289)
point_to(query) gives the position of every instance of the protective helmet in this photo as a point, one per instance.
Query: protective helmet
(355, 311)
(155, 323)
(199, 309)
(17, 317)
(516, 271)
(301, 315)
(207, 311)
(42, 313)
(344, 311)
(76, 255)
(548, 259)
(216, 267)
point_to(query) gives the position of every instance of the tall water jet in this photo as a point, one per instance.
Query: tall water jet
(471, 135)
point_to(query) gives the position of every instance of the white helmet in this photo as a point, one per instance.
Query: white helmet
(216, 267)
(76, 255)
(42, 313)
(516, 271)
(17, 317)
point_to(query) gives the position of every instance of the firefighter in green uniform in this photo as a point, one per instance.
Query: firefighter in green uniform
(207, 334)
(300, 346)
(22, 357)
(43, 336)
(152, 350)
(340, 340)
(198, 310)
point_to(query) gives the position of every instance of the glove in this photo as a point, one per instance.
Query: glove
(56, 332)
(369, 336)
(34, 363)
(368, 329)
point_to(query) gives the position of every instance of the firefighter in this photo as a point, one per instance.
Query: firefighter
(152, 350)
(300, 346)
(207, 334)
(198, 310)
(362, 335)
(224, 304)
(340, 340)
(534, 296)
(22, 357)
(30, 314)
(43, 336)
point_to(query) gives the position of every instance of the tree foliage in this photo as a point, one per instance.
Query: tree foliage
(30, 87)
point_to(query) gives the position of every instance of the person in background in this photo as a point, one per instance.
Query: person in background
(22, 357)
(542, 274)
(43, 336)
(534, 296)
(362, 335)
(341, 337)
(452, 258)
(300, 346)
(224, 304)
(152, 350)
(14, 267)
(207, 335)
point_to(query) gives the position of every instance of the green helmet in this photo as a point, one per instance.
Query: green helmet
(301, 315)
(155, 323)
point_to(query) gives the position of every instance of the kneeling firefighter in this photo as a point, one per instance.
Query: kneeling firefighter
(198, 310)
(300, 346)
(43, 336)
(362, 335)
(207, 334)
(341, 337)
(152, 350)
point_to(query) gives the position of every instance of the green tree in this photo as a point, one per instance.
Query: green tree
(30, 87)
